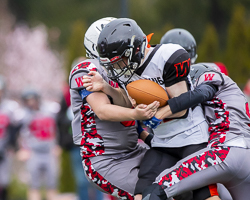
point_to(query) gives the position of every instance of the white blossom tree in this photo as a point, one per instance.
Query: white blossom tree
(29, 62)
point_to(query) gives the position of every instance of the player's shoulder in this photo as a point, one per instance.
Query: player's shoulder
(85, 66)
(169, 52)
(213, 77)
(169, 49)
(81, 69)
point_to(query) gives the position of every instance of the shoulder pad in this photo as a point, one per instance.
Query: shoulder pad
(76, 74)
(213, 77)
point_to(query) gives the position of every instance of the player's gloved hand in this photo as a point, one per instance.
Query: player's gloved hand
(152, 123)
(139, 128)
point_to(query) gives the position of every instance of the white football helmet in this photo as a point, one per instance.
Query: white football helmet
(92, 34)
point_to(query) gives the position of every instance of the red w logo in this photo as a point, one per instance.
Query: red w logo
(182, 69)
(79, 81)
(209, 77)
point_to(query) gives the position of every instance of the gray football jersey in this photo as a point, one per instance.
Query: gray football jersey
(228, 113)
(95, 136)
(39, 131)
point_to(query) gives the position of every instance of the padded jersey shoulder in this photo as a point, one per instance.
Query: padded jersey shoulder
(177, 63)
(81, 69)
(213, 77)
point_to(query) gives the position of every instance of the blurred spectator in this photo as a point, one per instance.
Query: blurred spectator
(85, 190)
(8, 133)
(39, 147)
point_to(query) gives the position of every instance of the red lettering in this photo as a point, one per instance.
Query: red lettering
(113, 84)
(128, 123)
(79, 82)
(209, 77)
(182, 69)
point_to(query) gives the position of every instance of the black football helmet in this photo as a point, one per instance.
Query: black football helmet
(183, 38)
(197, 70)
(121, 38)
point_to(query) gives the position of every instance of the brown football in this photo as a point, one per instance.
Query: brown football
(144, 91)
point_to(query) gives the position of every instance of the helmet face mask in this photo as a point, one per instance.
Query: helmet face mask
(121, 46)
(119, 68)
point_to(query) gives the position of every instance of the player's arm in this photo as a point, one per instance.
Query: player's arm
(175, 73)
(94, 82)
(203, 92)
(102, 107)
(175, 78)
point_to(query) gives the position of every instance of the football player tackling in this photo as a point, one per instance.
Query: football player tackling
(123, 51)
(226, 159)
(105, 133)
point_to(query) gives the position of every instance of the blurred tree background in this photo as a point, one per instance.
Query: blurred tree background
(221, 29)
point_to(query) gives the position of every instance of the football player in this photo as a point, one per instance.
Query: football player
(106, 133)
(38, 143)
(123, 51)
(226, 159)
(187, 41)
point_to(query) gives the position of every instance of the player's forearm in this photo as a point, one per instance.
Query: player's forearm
(111, 112)
(189, 99)
(165, 112)
(118, 95)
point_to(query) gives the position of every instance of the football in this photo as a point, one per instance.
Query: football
(145, 91)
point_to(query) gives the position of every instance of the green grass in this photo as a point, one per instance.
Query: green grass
(17, 190)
